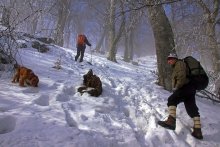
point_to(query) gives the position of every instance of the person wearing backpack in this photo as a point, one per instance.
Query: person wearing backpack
(82, 41)
(184, 89)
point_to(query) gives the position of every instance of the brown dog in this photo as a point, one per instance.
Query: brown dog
(24, 75)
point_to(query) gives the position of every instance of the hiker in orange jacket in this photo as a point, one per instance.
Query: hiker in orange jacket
(82, 41)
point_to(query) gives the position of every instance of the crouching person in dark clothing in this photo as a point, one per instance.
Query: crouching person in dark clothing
(91, 84)
(184, 91)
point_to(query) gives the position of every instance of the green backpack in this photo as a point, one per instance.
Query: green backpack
(196, 73)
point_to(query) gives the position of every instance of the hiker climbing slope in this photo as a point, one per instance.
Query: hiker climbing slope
(82, 41)
(184, 85)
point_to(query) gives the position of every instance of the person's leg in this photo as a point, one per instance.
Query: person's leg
(173, 101)
(197, 131)
(82, 54)
(77, 54)
(191, 107)
(193, 111)
(177, 97)
(170, 123)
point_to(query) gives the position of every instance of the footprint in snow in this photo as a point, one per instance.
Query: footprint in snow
(43, 100)
(31, 90)
(66, 94)
(83, 117)
(68, 116)
(7, 124)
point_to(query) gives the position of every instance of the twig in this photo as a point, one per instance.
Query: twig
(147, 5)
(208, 95)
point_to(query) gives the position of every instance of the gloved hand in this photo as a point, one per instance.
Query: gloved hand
(81, 89)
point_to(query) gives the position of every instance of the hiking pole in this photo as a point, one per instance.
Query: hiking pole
(91, 54)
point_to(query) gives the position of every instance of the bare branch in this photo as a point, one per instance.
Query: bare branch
(216, 8)
(39, 10)
(148, 5)
(204, 7)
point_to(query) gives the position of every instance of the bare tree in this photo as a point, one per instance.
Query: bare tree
(133, 19)
(113, 35)
(100, 10)
(210, 17)
(63, 12)
(164, 42)
(34, 5)
(5, 16)
(8, 7)
(100, 42)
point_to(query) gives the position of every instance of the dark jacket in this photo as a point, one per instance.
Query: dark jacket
(92, 84)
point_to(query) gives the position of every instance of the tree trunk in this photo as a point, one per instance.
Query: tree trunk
(210, 16)
(63, 13)
(131, 45)
(213, 46)
(99, 45)
(114, 39)
(164, 42)
(112, 31)
(133, 19)
(68, 32)
(126, 52)
(6, 17)
(34, 24)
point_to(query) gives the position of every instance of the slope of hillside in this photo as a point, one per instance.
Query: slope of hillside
(56, 115)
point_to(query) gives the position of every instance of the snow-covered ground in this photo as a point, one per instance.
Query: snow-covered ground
(125, 115)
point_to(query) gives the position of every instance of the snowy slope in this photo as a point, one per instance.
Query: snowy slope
(125, 115)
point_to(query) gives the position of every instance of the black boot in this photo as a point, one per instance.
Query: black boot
(170, 123)
(197, 133)
(76, 58)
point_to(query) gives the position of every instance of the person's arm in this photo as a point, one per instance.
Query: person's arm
(87, 42)
(180, 74)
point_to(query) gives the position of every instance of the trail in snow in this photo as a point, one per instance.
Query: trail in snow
(126, 114)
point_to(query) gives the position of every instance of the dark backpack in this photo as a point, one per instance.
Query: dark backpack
(196, 73)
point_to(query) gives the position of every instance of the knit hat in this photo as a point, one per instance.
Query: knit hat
(172, 55)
